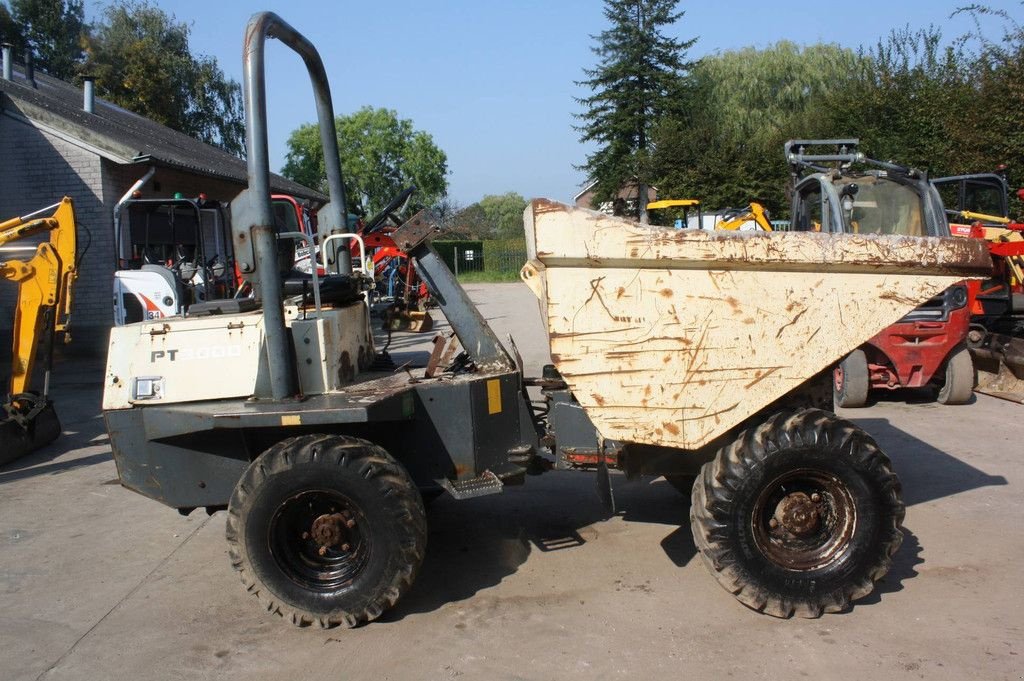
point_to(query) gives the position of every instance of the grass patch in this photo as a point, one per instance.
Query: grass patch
(488, 277)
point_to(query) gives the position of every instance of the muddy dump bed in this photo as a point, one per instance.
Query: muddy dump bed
(672, 337)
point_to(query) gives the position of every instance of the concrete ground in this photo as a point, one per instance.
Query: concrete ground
(97, 582)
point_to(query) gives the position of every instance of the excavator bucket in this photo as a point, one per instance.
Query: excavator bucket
(17, 439)
(999, 362)
(413, 321)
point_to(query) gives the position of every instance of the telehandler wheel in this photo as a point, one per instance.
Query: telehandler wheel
(326, 529)
(959, 384)
(799, 515)
(851, 380)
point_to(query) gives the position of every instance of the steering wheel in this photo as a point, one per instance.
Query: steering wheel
(184, 266)
(377, 221)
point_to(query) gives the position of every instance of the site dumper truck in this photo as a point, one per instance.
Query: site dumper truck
(675, 352)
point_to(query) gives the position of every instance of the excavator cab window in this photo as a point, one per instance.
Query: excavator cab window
(285, 217)
(163, 235)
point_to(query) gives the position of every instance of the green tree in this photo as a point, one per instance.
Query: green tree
(723, 145)
(993, 109)
(634, 84)
(9, 31)
(470, 223)
(141, 59)
(503, 215)
(53, 29)
(381, 155)
(910, 103)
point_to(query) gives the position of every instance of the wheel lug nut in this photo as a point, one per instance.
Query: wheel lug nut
(345, 547)
(350, 523)
(815, 497)
(322, 551)
(773, 523)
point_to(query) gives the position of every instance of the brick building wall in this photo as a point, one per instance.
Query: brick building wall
(38, 169)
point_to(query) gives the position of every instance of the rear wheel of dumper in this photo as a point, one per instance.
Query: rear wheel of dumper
(800, 515)
(326, 529)
(851, 380)
(959, 384)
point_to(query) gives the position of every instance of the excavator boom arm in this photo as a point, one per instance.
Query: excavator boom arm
(44, 287)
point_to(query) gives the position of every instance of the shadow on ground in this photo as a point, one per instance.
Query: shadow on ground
(927, 473)
(475, 544)
(904, 565)
(76, 391)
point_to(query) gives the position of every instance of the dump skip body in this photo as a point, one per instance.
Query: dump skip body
(672, 337)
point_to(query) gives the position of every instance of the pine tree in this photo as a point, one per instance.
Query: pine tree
(639, 72)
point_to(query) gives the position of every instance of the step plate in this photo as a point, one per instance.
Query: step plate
(486, 483)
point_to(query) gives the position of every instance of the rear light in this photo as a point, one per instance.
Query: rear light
(147, 387)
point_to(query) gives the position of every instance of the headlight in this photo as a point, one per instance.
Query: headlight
(957, 296)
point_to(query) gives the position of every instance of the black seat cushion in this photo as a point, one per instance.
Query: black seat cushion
(227, 306)
(335, 289)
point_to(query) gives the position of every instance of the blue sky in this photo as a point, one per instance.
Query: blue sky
(493, 81)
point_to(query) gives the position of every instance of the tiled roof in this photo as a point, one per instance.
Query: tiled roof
(123, 136)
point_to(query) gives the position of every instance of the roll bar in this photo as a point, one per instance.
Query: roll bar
(255, 234)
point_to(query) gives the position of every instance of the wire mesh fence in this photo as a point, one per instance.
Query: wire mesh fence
(497, 258)
(470, 260)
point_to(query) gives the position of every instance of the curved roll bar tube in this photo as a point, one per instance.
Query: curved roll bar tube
(256, 205)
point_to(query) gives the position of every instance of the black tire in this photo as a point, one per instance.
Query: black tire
(958, 386)
(835, 540)
(851, 381)
(326, 529)
(682, 483)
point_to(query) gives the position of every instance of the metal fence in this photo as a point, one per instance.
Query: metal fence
(475, 258)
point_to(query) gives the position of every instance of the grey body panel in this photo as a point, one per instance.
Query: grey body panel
(190, 455)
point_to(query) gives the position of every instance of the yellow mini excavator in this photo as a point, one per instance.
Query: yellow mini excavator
(754, 217)
(28, 420)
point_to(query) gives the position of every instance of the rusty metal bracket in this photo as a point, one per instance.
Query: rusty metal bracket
(415, 231)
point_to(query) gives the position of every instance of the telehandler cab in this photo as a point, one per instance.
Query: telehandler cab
(842, 191)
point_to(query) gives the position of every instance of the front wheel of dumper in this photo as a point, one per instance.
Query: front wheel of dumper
(326, 530)
(800, 515)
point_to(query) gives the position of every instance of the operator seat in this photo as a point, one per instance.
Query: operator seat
(335, 289)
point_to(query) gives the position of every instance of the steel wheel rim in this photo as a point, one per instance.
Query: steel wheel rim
(320, 567)
(804, 520)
